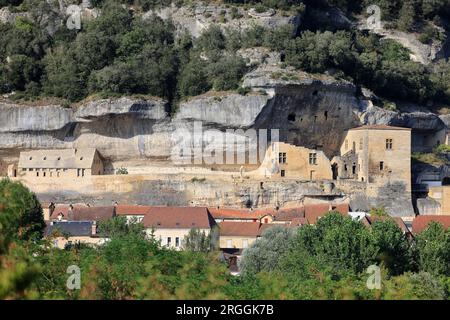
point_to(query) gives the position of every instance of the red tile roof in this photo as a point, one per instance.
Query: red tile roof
(85, 213)
(316, 211)
(224, 213)
(240, 229)
(380, 127)
(420, 223)
(64, 209)
(178, 218)
(400, 223)
(130, 210)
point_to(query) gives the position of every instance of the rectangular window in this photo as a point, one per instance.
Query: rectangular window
(388, 144)
(283, 173)
(169, 241)
(313, 158)
(177, 242)
(282, 157)
(381, 165)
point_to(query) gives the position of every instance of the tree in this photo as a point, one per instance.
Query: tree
(433, 250)
(21, 215)
(407, 16)
(264, 254)
(197, 241)
(393, 246)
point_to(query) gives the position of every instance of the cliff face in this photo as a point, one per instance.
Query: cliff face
(307, 110)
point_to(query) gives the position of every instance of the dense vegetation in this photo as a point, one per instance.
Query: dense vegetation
(326, 261)
(120, 53)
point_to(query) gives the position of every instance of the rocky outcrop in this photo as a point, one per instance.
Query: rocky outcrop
(199, 17)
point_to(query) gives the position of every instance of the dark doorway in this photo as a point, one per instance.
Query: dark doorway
(446, 181)
(335, 168)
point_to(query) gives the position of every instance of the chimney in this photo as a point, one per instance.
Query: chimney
(51, 208)
(94, 228)
(70, 213)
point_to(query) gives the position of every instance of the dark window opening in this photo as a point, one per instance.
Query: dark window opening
(312, 158)
(315, 93)
(315, 118)
(282, 157)
(326, 115)
(381, 165)
(446, 181)
(291, 117)
(354, 169)
(283, 173)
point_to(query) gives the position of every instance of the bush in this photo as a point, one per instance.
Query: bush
(121, 171)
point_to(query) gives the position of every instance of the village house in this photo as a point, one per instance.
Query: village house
(420, 223)
(377, 154)
(133, 213)
(63, 163)
(70, 233)
(171, 224)
(82, 212)
(283, 160)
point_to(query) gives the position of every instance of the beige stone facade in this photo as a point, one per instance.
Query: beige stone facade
(284, 160)
(236, 242)
(60, 164)
(442, 195)
(376, 154)
(3, 168)
(172, 237)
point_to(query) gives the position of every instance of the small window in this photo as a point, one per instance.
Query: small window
(81, 158)
(325, 114)
(266, 220)
(381, 165)
(45, 158)
(282, 157)
(177, 242)
(291, 117)
(31, 158)
(169, 241)
(313, 158)
(59, 158)
(388, 144)
(283, 173)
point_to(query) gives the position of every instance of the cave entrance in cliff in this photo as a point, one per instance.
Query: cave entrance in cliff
(446, 181)
(335, 170)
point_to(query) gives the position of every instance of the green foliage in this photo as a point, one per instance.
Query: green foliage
(264, 254)
(433, 250)
(21, 215)
(121, 171)
(197, 241)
